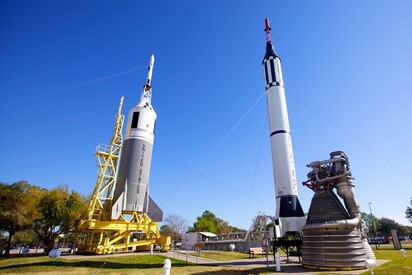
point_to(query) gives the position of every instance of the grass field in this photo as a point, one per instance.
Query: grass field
(136, 264)
(153, 264)
(219, 255)
(397, 264)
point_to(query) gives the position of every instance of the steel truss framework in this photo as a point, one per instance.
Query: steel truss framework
(133, 230)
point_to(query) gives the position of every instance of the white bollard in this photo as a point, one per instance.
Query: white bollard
(187, 255)
(403, 251)
(277, 260)
(167, 266)
(371, 264)
(54, 253)
(151, 249)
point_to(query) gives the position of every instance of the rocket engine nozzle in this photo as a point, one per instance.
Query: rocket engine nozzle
(332, 181)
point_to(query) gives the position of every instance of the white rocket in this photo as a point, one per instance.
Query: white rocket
(132, 192)
(289, 214)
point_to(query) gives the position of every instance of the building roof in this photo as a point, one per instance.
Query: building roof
(208, 234)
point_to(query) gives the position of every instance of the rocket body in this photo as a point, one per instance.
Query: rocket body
(131, 192)
(289, 213)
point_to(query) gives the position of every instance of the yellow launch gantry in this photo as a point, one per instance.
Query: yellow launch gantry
(132, 230)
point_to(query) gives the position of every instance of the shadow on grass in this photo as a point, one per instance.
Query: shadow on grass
(234, 272)
(92, 264)
(257, 270)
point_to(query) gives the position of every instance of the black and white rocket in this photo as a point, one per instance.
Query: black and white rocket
(132, 185)
(289, 214)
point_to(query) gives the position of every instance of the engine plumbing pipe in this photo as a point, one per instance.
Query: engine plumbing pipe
(341, 224)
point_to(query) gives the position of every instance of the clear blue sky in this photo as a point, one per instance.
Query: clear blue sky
(347, 70)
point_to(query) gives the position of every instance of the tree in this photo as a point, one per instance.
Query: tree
(206, 223)
(3, 241)
(177, 224)
(165, 230)
(17, 208)
(24, 237)
(60, 212)
(404, 230)
(224, 227)
(408, 212)
(372, 223)
(387, 225)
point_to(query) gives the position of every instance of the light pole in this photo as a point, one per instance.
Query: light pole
(374, 227)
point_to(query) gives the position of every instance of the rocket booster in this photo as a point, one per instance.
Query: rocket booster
(131, 192)
(289, 212)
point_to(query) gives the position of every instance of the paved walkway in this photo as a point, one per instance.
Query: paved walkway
(291, 267)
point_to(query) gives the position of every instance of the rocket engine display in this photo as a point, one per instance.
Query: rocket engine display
(333, 236)
(132, 192)
(289, 214)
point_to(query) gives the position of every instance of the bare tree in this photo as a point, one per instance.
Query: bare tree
(177, 224)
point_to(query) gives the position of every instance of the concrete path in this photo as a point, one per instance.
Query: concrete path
(291, 267)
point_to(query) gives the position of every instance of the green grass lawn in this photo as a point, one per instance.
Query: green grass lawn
(153, 264)
(133, 264)
(136, 264)
(219, 255)
(398, 264)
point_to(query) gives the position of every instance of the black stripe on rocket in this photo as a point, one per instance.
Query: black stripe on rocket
(279, 132)
(273, 75)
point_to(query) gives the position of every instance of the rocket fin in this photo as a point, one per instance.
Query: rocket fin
(153, 210)
(120, 203)
(117, 207)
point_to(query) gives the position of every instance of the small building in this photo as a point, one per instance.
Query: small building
(195, 240)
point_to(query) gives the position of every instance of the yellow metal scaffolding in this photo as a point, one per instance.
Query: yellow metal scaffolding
(133, 230)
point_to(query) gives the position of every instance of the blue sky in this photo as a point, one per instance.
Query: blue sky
(346, 66)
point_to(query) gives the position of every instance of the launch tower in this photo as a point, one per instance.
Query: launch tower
(121, 214)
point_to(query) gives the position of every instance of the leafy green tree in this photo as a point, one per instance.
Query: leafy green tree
(17, 208)
(24, 237)
(206, 223)
(165, 230)
(408, 212)
(60, 212)
(236, 229)
(3, 241)
(372, 223)
(387, 225)
(71, 239)
(224, 227)
(404, 230)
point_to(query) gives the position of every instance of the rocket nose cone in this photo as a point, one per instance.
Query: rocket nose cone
(270, 52)
(152, 59)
